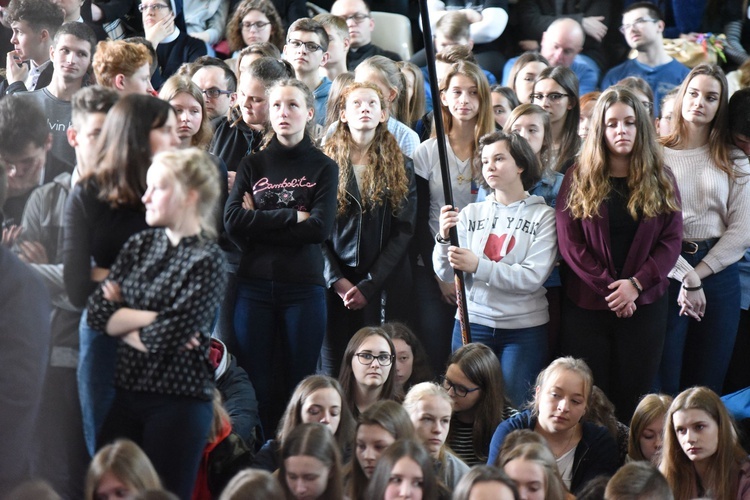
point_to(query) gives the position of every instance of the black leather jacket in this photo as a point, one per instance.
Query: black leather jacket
(366, 248)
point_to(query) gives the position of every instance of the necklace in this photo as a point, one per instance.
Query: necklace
(567, 444)
(461, 178)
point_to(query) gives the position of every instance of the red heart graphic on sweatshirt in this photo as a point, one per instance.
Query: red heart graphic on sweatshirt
(495, 244)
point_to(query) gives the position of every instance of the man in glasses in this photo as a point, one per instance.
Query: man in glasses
(218, 83)
(643, 29)
(306, 49)
(356, 13)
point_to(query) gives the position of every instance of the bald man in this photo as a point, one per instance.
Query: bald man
(561, 45)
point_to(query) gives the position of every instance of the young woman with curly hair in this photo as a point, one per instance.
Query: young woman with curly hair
(366, 254)
(619, 227)
(255, 21)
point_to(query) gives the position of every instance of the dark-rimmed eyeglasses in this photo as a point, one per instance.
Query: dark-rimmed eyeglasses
(636, 24)
(367, 358)
(458, 389)
(357, 18)
(214, 93)
(154, 7)
(552, 96)
(258, 25)
(309, 46)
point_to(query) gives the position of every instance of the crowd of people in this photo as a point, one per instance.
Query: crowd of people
(229, 269)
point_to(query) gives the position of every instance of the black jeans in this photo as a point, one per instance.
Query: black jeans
(623, 353)
(171, 430)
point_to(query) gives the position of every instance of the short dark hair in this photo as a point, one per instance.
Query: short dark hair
(92, 99)
(82, 31)
(521, 152)
(653, 9)
(739, 118)
(22, 121)
(310, 26)
(38, 14)
(208, 61)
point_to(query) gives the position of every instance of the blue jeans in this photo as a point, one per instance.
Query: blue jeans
(171, 430)
(522, 353)
(698, 352)
(267, 311)
(96, 379)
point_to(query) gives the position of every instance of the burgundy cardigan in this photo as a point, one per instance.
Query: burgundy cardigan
(585, 247)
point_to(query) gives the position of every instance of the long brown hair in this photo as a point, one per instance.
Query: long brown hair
(650, 408)
(392, 77)
(385, 178)
(485, 121)
(718, 138)
(346, 375)
(292, 417)
(124, 150)
(720, 479)
(390, 416)
(652, 190)
(316, 441)
(480, 365)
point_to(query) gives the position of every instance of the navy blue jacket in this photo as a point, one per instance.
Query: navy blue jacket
(595, 455)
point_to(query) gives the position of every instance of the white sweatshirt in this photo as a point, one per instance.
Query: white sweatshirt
(517, 248)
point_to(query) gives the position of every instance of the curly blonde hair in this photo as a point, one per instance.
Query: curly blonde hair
(652, 189)
(385, 178)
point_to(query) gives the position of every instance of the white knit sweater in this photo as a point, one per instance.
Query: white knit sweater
(713, 205)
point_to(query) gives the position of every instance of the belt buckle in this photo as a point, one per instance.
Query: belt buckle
(692, 247)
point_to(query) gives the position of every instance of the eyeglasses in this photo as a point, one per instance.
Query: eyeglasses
(649, 105)
(553, 96)
(258, 25)
(154, 7)
(309, 46)
(458, 390)
(367, 358)
(638, 23)
(214, 93)
(357, 18)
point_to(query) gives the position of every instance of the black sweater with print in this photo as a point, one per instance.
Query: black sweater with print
(282, 181)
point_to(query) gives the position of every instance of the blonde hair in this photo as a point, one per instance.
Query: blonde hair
(385, 177)
(253, 484)
(179, 84)
(651, 407)
(569, 364)
(422, 391)
(720, 479)
(415, 105)
(126, 461)
(546, 151)
(395, 80)
(652, 189)
(193, 169)
(539, 454)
